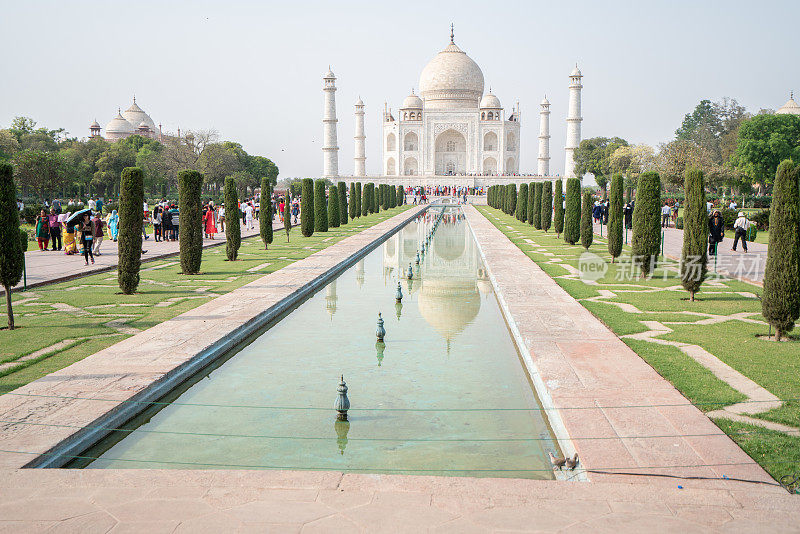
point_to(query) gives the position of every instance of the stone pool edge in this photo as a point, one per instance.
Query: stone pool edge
(54, 446)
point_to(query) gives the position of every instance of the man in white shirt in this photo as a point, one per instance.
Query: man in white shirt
(740, 227)
(665, 213)
(248, 215)
(732, 205)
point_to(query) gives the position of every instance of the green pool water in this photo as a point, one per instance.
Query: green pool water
(446, 395)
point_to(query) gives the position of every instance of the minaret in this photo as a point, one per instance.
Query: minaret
(360, 157)
(330, 149)
(574, 120)
(544, 138)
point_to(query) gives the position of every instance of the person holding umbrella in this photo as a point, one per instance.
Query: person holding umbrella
(86, 228)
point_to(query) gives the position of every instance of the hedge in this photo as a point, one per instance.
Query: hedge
(547, 205)
(694, 255)
(587, 231)
(265, 217)
(572, 214)
(233, 219)
(558, 208)
(341, 188)
(320, 207)
(646, 242)
(190, 220)
(129, 234)
(306, 208)
(333, 206)
(615, 217)
(12, 254)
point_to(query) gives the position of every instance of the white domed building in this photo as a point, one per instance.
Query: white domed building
(451, 128)
(132, 121)
(789, 108)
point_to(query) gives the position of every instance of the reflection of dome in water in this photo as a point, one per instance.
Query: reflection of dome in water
(449, 305)
(449, 242)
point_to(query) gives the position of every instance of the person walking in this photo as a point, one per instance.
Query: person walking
(113, 225)
(157, 227)
(295, 210)
(208, 221)
(86, 230)
(166, 224)
(43, 230)
(716, 232)
(55, 229)
(145, 219)
(97, 232)
(740, 228)
(221, 217)
(175, 219)
(248, 215)
(666, 211)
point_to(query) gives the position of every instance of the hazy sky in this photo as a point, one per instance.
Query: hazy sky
(253, 70)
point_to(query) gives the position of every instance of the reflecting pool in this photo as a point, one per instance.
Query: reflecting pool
(446, 394)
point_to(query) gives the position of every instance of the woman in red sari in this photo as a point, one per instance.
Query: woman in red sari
(208, 222)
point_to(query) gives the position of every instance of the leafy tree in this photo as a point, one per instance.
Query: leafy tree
(558, 208)
(780, 303)
(587, 232)
(261, 166)
(190, 226)
(307, 210)
(615, 217)
(572, 215)
(547, 205)
(694, 257)
(764, 142)
(353, 201)
(537, 205)
(265, 218)
(594, 156)
(531, 202)
(342, 190)
(646, 242)
(333, 206)
(320, 207)
(287, 218)
(233, 217)
(41, 172)
(12, 256)
(129, 229)
(115, 158)
(357, 200)
(522, 205)
(8, 144)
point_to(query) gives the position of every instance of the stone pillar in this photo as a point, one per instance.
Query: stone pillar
(360, 153)
(574, 120)
(330, 149)
(544, 138)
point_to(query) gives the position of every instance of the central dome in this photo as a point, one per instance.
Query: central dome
(451, 80)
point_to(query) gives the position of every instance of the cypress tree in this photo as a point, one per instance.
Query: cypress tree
(587, 232)
(365, 201)
(306, 208)
(512, 198)
(358, 199)
(392, 197)
(341, 188)
(646, 241)
(129, 229)
(694, 256)
(374, 203)
(190, 221)
(780, 303)
(12, 254)
(572, 215)
(333, 207)
(537, 205)
(547, 205)
(615, 217)
(233, 233)
(522, 205)
(320, 207)
(401, 195)
(558, 208)
(531, 201)
(353, 206)
(265, 218)
(287, 216)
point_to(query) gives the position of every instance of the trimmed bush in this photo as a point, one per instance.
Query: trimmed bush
(357, 199)
(522, 205)
(646, 241)
(558, 208)
(547, 205)
(353, 205)
(333, 206)
(129, 229)
(401, 195)
(587, 232)
(365, 200)
(341, 188)
(679, 225)
(375, 201)
(12, 253)
(511, 203)
(265, 217)
(694, 256)
(615, 217)
(531, 202)
(780, 302)
(287, 218)
(306, 208)
(537, 205)
(392, 197)
(572, 214)
(233, 219)
(190, 221)
(320, 207)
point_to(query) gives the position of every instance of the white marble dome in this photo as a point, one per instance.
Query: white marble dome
(451, 80)
(490, 101)
(136, 116)
(789, 108)
(412, 101)
(118, 125)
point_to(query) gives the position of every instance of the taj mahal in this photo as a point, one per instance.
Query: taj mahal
(451, 132)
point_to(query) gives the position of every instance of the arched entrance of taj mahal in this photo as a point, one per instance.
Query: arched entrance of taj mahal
(451, 153)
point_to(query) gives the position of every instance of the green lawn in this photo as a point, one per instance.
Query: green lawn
(76, 314)
(774, 366)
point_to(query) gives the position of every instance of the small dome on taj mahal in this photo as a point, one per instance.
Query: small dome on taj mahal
(490, 101)
(412, 101)
(790, 108)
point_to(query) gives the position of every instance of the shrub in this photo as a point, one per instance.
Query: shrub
(615, 217)
(353, 205)
(320, 207)
(265, 218)
(761, 219)
(679, 223)
(129, 233)
(341, 188)
(357, 200)
(530, 201)
(572, 215)
(12, 253)
(646, 241)
(694, 256)
(306, 208)
(522, 205)
(287, 219)
(537, 205)
(365, 200)
(401, 195)
(512, 199)
(333, 206)
(233, 219)
(392, 196)
(547, 205)
(190, 217)
(780, 303)
(587, 231)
